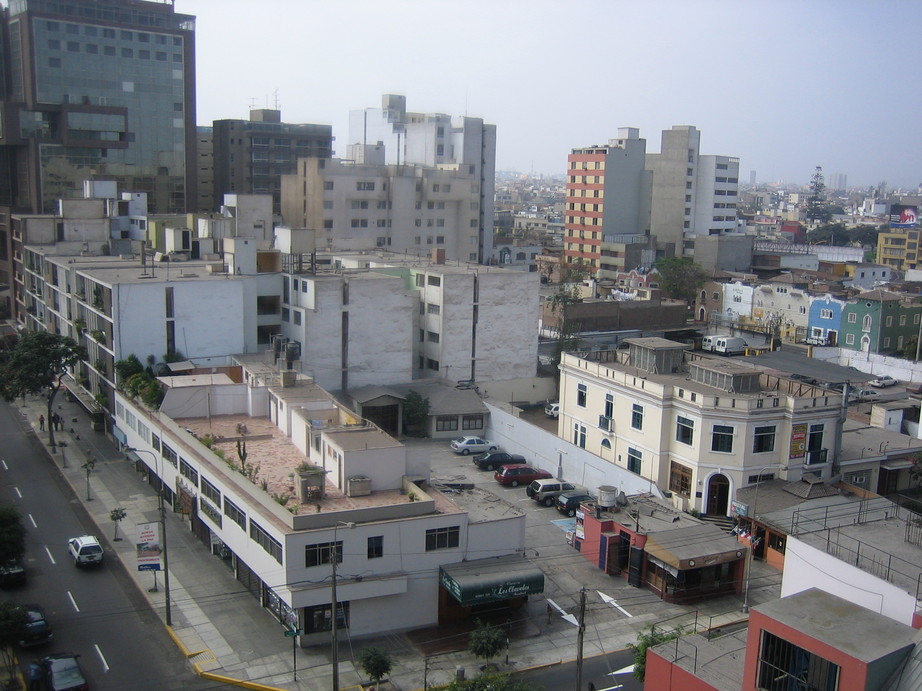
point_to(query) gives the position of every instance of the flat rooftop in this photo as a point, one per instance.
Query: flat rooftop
(719, 660)
(868, 636)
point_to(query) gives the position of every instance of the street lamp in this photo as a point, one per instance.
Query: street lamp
(166, 559)
(336, 553)
(752, 521)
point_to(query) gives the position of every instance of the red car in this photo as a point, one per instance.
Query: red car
(518, 474)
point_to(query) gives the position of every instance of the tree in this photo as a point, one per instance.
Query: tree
(117, 515)
(680, 278)
(12, 534)
(486, 641)
(13, 622)
(649, 639)
(416, 411)
(131, 365)
(376, 663)
(36, 364)
(492, 682)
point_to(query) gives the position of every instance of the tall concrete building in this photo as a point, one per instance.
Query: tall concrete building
(250, 156)
(608, 206)
(435, 140)
(693, 195)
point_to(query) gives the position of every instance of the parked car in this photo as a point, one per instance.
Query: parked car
(468, 445)
(552, 410)
(85, 550)
(804, 378)
(546, 491)
(494, 459)
(38, 631)
(862, 395)
(569, 502)
(12, 573)
(515, 475)
(64, 673)
(883, 382)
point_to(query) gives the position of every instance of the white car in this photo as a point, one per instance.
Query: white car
(469, 445)
(85, 550)
(883, 382)
(863, 395)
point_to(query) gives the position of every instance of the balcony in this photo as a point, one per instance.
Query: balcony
(817, 457)
(605, 423)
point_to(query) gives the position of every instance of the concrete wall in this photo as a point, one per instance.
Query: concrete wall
(565, 460)
(807, 567)
(872, 363)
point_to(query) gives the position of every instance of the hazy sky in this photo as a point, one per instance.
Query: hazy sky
(785, 85)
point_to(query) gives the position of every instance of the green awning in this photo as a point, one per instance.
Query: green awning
(491, 580)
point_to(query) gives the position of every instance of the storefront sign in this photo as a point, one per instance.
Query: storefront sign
(798, 441)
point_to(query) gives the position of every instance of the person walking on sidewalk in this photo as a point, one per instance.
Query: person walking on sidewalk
(41, 423)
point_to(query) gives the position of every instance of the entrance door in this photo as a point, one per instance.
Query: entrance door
(718, 495)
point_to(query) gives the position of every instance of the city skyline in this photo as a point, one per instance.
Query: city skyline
(785, 87)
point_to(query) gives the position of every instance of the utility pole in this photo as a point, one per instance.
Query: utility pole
(579, 639)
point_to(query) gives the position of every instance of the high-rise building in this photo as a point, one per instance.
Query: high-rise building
(435, 140)
(250, 156)
(94, 90)
(608, 207)
(692, 194)
(204, 165)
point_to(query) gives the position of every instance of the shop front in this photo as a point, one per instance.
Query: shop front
(473, 587)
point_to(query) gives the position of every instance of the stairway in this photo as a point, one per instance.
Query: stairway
(725, 523)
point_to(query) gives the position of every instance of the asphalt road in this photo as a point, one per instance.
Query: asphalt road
(96, 613)
(596, 670)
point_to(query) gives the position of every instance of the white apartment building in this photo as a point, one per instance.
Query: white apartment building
(404, 209)
(692, 194)
(698, 426)
(738, 300)
(378, 318)
(783, 302)
(332, 492)
(435, 140)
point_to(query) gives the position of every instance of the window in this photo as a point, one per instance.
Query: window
(432, 309)
(609, 405)
(433, 280)
(685, 430)
(446, 423)
(266, 541)
(680, 479)
(328, 185)
(825, 314)
(722, 439)
(783, 665)
(472, 422)
(889, 321)
(764, 439)
(852, 318)
(169, 455)
(443, 538)
(319, 618)
(634, 460)
(579, 435)
(866, 323)
(849, 339)
(581, 395)
(188, 472)
(212, 492)
(376, 547)
(365, 186)
(323, 553)
(637, 416)
(902, 319)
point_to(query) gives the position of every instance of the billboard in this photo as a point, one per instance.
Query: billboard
(149, 547)
(902, 216)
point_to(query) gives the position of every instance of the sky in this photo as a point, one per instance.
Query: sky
(785, 85)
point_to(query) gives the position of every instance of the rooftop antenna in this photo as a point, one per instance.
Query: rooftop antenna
(253, 101)
(275, 94)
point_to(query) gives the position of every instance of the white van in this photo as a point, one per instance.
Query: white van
(707, 343)
(730, 346)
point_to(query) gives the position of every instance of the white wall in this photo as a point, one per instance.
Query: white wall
(548, 451)
(807, 567)
(872, 363)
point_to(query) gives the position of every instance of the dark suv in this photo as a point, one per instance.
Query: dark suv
(515, 475)
(569, 502)
(494, 459)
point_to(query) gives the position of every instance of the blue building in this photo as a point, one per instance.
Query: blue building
(825, 320)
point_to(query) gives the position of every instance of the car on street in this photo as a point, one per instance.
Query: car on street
(85, 550)
(12, 573)
(494, 459)
(569, 502)
(469, 445)
(883, 382)
(64, 673)
(37, 630)
(515, 475)
(863, 395)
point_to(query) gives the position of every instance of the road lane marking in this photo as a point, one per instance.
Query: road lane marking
(105, 664)
(73, 601)
(48, 551)
(611, 601)
(18, 493)
(34, 524)
(5, 466)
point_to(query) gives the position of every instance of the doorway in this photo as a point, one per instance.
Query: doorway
(718, 495)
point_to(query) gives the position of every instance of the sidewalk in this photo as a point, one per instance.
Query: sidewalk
(226, 633)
